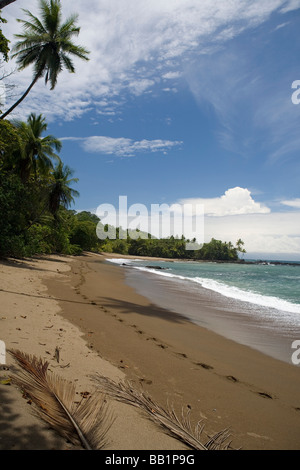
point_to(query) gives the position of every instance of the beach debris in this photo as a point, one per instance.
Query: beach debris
(166, 418)
(85, 424)
(5, 381)
(155, 267)
(56, 353)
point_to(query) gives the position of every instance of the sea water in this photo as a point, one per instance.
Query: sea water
(265, 297)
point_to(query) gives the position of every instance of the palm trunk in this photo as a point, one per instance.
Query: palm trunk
(4, 3)
(20, 99)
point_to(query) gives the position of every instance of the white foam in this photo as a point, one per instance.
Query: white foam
(249, 296)
(119, 261)
(234, 292)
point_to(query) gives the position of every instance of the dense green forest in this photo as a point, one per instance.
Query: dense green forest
(36, 188)
(173, 247)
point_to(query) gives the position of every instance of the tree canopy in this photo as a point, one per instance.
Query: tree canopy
(4, 42)
(47, 44)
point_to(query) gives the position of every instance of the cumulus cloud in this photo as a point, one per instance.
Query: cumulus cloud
(235, 201)
(121, 146)
(236, 215)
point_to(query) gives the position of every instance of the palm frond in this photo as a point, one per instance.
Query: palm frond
(84, 424)
(179, 428)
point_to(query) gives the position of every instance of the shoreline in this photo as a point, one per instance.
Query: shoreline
(222, 383)
(239, 320)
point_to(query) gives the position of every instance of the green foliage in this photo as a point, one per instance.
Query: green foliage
(172, 247)
(46, 42)
(10, 141)
(60, 192)
(4, 48)
(47, 45)
(37, 151)
(28, 223)
(217, 250)
(84, 235)
(87, 216)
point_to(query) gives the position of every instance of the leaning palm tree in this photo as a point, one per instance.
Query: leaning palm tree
(46, 44)
(60, 192)
(37, 152)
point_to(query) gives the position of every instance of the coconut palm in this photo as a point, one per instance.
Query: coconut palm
(46, 44)
(60, 191)
(37, 152)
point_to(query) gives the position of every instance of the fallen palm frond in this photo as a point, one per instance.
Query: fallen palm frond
(179, 428)
(84, 424)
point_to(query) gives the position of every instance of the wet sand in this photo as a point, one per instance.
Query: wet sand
(223, 383)
(263, 329)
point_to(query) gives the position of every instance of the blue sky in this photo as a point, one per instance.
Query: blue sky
(181, 101)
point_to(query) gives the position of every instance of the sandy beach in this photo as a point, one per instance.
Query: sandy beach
(83, 306)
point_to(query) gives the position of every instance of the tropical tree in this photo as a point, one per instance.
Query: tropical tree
(37, 152)
(240, 246)
(46, 44)
(4, 48)
(60, 191)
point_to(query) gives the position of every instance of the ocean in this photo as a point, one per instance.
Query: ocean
(256, 304)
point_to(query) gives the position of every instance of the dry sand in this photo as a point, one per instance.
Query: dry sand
(82, 305)
(31, 321)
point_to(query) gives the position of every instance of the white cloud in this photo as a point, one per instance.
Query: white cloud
(237, 215)
(134, 44)
(171, 75)
(262, 233)
(235, 201)
(121, 146)
(290, 5)
(292, 203)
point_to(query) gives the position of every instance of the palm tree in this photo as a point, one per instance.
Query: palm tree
(37, 152)
(46, 44)
(60, 192)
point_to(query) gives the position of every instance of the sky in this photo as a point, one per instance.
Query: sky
(182, 102)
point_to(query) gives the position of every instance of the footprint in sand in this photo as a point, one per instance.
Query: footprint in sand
(183, 355)
(265, 395)
(231, 378)
(203, 365)
(146, 381)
